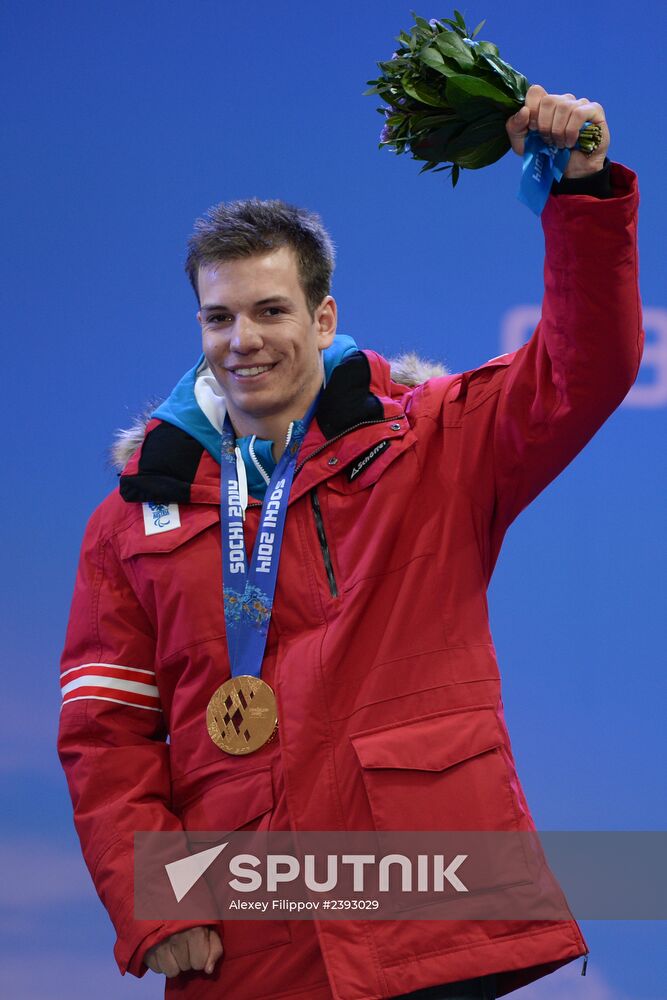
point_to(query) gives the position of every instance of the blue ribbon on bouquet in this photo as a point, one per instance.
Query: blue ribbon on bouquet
(543, 163)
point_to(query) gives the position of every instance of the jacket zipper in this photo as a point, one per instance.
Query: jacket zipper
(324, 546)
(319, 524)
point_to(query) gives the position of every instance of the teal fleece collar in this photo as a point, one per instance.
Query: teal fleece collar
(182, 410)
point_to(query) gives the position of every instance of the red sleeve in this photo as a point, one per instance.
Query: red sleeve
(514, 423)
(111, 739)
(585, 354)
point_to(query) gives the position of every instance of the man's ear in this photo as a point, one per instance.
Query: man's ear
(326, 318)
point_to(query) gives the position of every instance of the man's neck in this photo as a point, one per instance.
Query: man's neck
(273, 428)
(279, 438)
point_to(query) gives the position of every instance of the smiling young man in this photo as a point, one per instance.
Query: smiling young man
(368, 647)
(262, 340)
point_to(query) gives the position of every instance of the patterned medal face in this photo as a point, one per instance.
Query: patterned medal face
(242, 715)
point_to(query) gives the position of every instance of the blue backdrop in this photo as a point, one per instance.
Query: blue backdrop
(123, 122)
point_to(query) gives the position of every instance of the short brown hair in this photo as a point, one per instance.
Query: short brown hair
(236, 229)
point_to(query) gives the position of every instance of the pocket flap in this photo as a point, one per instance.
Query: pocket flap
(193, 520)
(374, 460)
(430, 744)
(230, 804)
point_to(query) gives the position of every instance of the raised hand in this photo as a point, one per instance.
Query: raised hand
(558, 118)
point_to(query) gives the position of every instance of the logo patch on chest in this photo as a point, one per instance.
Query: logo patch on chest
(361, 463)
(160, 517)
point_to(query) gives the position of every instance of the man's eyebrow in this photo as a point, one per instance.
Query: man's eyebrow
(279, 299)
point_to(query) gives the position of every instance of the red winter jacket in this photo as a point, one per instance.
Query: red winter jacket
(379, 643)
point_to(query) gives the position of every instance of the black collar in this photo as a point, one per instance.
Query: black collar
(170, 457)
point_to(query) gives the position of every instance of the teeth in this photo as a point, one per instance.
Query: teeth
(252, 371)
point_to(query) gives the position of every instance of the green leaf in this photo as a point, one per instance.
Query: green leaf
(461, 32)
(463, 90)
(422, 91)
(434, 60)
(450, 44)
(456, 170)
(484, 154)
(473, 110)
(487, 47)
(430, 55)
(475, 134)
(421, 22)
(478, 28)
(395, 66)
(429, 122)
(434, 145)
(515, 82)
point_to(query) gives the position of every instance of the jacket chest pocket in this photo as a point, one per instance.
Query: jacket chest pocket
(219, 807)
(178, 576)
(371, 521)
(449, 773)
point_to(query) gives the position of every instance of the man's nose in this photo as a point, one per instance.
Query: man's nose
(246, 336)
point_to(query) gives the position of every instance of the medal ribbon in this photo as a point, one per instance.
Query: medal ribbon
(248, 593)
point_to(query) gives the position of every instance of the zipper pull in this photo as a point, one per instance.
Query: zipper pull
(584, 966)
(242, 480)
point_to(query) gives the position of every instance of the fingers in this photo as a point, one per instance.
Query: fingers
(150, 959)
(553, 116)
(214, 950)
(197, 948)
(586, 111)
(534, 95)
(518, 123)
(180, 949)
(517, 129)
(162, 960)
(557, 117)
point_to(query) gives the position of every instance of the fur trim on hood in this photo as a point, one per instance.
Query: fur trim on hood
(407, 369)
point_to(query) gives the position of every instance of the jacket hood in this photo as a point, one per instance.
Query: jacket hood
(196, 404)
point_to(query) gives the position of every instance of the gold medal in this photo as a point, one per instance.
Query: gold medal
(242, 715)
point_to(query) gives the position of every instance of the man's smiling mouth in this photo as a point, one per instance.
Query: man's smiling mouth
(251, 371)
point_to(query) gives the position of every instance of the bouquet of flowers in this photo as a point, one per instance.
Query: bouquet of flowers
(447, 97)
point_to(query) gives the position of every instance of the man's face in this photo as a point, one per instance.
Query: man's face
(260, 341)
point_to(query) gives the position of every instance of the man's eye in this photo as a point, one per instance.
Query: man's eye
(273, 309)
(217, 318)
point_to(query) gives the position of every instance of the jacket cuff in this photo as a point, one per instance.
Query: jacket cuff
(598, 185)
(587, 228)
